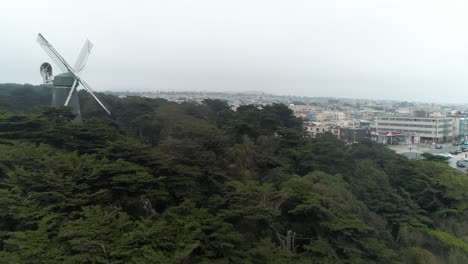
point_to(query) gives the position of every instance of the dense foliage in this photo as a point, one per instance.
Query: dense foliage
(161, 182)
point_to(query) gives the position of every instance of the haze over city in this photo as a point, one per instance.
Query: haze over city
(414, 51)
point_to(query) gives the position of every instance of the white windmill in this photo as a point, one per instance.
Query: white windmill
(65, 85)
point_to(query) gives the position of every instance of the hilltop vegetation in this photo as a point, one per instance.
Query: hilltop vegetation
(160, 182)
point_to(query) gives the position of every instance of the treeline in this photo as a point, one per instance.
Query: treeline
(161, 182)
(23, 98)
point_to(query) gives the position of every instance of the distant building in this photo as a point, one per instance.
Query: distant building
(333, 115)
(460, 127)
(365, 124)
(353, 123)
(314, 129)
(304, 111)
(372, 114)
(392, 138)
(311, 116)
(425, 130)
(354, 134)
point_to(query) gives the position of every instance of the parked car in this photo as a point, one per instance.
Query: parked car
(464, 149)
(461, 164)
(455, 144)
(453, 152)
(438, 146)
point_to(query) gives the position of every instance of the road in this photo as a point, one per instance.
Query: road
(415, 151)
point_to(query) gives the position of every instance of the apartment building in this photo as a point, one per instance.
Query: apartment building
(412, 129)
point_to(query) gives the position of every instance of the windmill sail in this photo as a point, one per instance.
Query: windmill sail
(83, 57)
(53, 54)
(72, 72)
(72, 90)
(90, 90)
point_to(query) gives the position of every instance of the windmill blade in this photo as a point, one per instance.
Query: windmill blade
(53, 54)
(83, 57)
(74, 86)
(90, 90)
(64, 66)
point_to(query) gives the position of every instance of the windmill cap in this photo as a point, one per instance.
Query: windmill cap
(64, 79)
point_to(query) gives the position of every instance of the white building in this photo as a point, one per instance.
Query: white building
(424, 130)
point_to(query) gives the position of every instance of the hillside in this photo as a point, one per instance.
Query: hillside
(161, 182)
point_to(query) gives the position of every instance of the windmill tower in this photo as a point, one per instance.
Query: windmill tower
(64, 85)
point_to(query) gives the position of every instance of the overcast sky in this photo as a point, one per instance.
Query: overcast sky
(406, 50)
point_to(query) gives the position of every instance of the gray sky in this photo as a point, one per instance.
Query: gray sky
(407, 50)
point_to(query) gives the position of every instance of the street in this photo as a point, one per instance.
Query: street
(415, 151)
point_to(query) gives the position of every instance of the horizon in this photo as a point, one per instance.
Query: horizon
(309, 48)
(252, 92)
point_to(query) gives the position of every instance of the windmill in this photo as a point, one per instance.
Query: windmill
(46, 73)
(65, 85)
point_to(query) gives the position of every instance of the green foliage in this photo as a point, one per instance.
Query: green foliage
(436, 158)
(161, 182)
(24, 98)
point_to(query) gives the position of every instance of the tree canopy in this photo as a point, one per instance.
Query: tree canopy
(162, 182)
